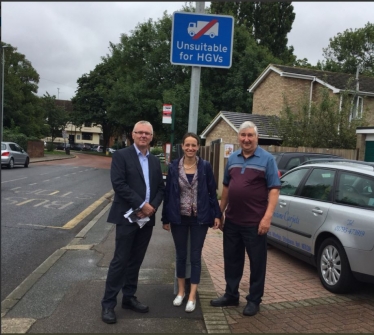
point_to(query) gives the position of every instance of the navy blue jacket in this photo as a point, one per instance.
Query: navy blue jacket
(207, 203)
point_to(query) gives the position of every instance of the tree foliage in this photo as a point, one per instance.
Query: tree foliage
(320, 125)
(268, 23)
(21, 105)
(56, 116)
(92, 101)
(351, 49)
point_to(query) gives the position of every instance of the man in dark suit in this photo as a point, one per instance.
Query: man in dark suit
(138, 184)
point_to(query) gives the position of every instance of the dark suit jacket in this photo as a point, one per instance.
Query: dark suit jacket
(129, 184)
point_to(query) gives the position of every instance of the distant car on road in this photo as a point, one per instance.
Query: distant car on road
(12, 154)
(289, 160)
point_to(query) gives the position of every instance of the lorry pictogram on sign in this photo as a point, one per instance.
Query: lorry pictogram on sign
(202, 39)
(196, 30)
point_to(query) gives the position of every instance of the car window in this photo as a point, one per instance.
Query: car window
(291, 181)
(319, 184)
(3, 146)
(292, 163)
(356, 190)
(13, 147)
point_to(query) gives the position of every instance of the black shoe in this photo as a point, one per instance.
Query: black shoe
(108, 315)
(224, 301)
(135, 305)
(251, 309)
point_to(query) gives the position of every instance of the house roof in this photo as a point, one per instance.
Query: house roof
(66, 104)
(333, 80)
(264, 123)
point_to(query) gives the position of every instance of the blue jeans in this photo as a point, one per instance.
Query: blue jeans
(236, 240)
(180, 237)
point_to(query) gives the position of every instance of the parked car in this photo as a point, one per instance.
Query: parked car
(12, 154)
(77, 146)
(94, 147)
(99, 148)
(110, 150)
(324, 216)
(288, 160)
(86, 147)
(63, 146)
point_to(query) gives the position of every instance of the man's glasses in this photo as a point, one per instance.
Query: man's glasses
(141, 133)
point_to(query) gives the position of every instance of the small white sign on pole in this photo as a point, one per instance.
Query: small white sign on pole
(166, 113)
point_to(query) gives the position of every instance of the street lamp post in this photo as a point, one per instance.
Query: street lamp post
(2, 93)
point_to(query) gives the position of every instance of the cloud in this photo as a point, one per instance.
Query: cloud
(64, 40)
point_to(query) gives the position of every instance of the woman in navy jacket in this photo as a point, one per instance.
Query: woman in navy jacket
(190, 207)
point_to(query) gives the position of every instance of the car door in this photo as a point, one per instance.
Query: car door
(21, 155)
(309, 209)
(15, 153)
(282, 220)
(351, 219)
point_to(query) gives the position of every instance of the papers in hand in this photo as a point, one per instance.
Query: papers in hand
(132, 217)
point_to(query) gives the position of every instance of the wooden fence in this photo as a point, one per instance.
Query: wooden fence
(215, 155)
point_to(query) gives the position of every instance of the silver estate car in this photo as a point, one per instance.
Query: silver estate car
(12, 154)
(325, 216)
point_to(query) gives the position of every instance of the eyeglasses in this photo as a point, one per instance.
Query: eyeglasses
(141, 133)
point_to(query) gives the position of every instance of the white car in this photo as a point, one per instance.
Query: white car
(325, 216)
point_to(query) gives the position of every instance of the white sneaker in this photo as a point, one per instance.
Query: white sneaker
(178, 300)
(190, 307)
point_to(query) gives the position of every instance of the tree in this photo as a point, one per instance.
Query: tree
(268, 23)
(351, 49)
(92, 101)
(21, 105)
(56, 116)
(325, 124)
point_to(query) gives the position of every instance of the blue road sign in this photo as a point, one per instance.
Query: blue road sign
(202, 40)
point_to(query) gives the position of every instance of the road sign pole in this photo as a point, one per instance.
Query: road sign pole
(195, 85)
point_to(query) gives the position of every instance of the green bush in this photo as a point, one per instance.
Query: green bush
(20, 139)
(50, 146)
(156, 150)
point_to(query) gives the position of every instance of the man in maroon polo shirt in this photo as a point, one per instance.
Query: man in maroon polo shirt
(249, 197)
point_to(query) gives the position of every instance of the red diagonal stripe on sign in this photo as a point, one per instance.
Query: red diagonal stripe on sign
(205, 29)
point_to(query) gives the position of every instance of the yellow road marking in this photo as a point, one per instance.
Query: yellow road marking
(72, 223)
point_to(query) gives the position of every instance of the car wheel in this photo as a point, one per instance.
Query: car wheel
(11, 164)
(27, 163)
(333, 266)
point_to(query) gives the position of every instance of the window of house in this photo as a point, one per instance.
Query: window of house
(87, 124)
(87, 136)
(78, 137)
(357, 107)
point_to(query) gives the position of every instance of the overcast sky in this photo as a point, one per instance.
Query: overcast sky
(64, 40)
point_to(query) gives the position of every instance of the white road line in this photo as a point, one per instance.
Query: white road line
(33, 184)
(15, 188)
(8, 181)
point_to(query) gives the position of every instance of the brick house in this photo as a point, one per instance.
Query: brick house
(226, 124)
(279, 82)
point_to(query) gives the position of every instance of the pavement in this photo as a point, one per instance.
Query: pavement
(63, 294)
